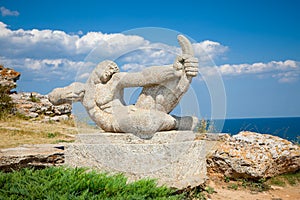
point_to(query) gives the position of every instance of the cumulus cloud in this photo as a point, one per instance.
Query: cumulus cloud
(284, 71)
(56, 51)
(46, 69)
(51, 44)
(208, 50)
(60, 54)
(149, 56)
(162, 54)
(6, 12)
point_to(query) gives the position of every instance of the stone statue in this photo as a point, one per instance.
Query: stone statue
(163, 87)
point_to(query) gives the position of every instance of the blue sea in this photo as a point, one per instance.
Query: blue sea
(286, 127)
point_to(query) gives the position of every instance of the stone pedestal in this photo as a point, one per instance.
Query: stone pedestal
(174, 158)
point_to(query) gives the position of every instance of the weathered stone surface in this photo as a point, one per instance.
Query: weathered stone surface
(8, 77)
(163, 87)
(32, 104)
(254, 155)
(42, 155)
(175, 158)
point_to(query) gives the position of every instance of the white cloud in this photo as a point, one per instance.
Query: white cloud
(53, 44)
(133, 67)
(162, 54)
(48, 69)
(6, 12)
(284, 71)
(208, 50)
(57, 53)
(41, 44)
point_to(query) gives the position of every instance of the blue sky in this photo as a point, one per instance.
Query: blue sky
(254, 45)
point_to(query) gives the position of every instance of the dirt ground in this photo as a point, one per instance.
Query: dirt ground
(222, 192)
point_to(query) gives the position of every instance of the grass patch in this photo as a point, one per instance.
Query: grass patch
(253, 185)
(284, 179)
(65, 183)
(277, 181)
(15, 131)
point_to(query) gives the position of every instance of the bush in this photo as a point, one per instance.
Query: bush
(66, 183)
(6, 104)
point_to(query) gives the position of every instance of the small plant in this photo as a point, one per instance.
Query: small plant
(226, 179)
(195, 193)
(233, 186)
(202, 127)
(52, 135)
(259, 186)
(209, 190)
(34, 99)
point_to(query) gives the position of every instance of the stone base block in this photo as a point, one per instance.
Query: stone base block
(174, 158)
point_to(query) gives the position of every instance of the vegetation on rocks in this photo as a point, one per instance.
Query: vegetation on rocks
(6, 104)
(285, 179)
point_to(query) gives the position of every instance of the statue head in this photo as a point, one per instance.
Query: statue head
(104, 71)
(109, 70)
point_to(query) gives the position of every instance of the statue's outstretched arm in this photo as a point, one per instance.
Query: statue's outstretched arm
(150, 76)
(69, 94)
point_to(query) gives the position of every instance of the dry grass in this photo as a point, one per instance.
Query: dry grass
(15, 132)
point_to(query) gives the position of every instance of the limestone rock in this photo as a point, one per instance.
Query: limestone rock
(32, 104)
(41, 155)
(59, 118)
(8, 77)
(254, 155)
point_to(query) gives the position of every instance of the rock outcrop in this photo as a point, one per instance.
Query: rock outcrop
(254, 155)
(38, 156)
(34, 105)
(8, 78)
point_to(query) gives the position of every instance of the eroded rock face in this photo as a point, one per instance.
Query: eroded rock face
(32, 104)
(8, 77)
(39, 156)
(254, 155)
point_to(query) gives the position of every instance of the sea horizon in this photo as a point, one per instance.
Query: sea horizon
(284, 127)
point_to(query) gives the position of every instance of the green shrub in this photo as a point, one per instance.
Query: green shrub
(6, 104)
(34, 98)
(66, 183)
(52, 135)
(202, 126)
(233, 186)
